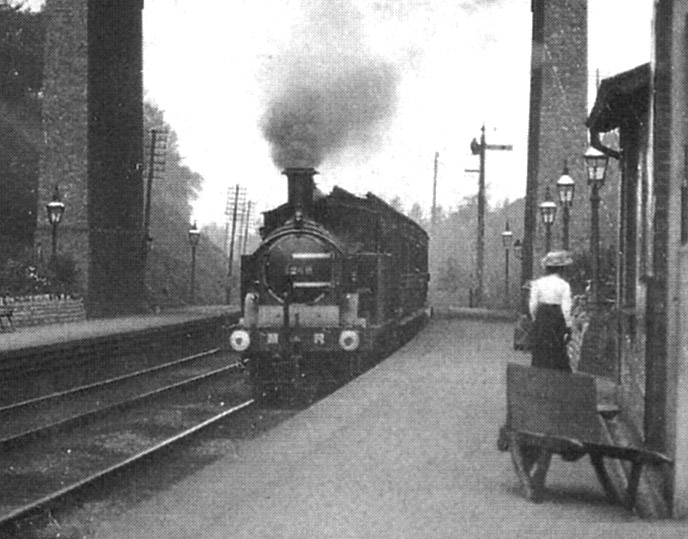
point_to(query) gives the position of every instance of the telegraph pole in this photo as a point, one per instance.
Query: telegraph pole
(239, 194)
(248, 218)
(433, 214)
(156, 170)
(479, 148)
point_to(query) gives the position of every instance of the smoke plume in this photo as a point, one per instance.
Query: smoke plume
(329, 92)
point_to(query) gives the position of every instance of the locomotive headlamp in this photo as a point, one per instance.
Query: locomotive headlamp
(240, 340)
(349, 340)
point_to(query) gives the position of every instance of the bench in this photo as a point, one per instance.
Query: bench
(554, 412)
(6, 314)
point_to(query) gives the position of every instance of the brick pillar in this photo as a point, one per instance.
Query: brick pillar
(64, 159)
(559, 87)
(93, 120)
(115, 157)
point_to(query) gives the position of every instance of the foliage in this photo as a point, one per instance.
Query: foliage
(22, 35)
(21, 73)
(169, 259)
(25, 276)
(453, 247)
(63, 274)
(178, 186)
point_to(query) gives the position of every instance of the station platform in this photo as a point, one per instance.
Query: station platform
(407, 450)
(55, 334)
(39, 360)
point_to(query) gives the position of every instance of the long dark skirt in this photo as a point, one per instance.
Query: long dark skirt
(548, 338)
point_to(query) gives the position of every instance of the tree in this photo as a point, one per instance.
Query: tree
(21, 76)
(168, 262)
(397, 204)
(178, 187)
(22, 35)
(416, 213)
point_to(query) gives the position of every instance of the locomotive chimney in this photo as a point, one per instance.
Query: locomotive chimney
(301, 188)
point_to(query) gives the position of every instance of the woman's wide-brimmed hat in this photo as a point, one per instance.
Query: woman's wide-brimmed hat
(557, 259)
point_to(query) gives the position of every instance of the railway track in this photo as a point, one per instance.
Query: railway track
(57, 444)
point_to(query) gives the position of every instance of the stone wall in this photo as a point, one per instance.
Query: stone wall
(44, 309)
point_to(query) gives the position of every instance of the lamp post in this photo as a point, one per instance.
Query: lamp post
(548, 209)
(55, 208)
(194, 237)
(566, 188)
(596, 166)
(507, 238)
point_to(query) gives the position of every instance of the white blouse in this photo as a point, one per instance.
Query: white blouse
(554, 290)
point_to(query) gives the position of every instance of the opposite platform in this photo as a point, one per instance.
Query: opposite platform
(54, 334)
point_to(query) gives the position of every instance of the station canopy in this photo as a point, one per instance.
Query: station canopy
(621, 99)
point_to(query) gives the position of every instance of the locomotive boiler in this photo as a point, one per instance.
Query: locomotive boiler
(337, 282)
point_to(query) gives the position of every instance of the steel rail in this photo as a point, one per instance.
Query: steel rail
(104, 383)
(25, 509)
(75, 419)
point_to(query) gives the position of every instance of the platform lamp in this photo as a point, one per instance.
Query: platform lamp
(566, 188)
(55, 209)
(548, 210)
(596, 166)
(194, 238)
(507, 240)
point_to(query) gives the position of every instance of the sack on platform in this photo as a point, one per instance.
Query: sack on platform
(522, 333)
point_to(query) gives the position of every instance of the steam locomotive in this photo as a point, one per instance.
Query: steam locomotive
(337, 282)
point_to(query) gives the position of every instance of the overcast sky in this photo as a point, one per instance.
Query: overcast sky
(214, 67)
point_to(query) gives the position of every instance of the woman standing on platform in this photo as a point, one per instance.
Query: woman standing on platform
(550, 309)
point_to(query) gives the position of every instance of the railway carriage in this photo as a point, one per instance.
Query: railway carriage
(338, 281)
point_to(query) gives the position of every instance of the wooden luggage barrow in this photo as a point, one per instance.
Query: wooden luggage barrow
(554, 412)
